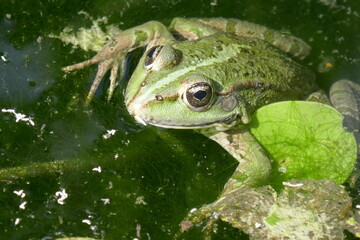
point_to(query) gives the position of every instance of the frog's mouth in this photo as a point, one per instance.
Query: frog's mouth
(224, 123)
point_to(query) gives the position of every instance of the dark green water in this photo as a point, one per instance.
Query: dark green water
(140, 179)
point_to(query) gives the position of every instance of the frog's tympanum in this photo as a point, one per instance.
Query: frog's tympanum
(211, 75)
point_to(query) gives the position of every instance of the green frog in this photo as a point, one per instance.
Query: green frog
(211, 75)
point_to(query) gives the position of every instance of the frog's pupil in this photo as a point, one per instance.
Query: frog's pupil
(200, 95)
(151, 52)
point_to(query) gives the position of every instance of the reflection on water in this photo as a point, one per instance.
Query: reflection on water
(24, 72)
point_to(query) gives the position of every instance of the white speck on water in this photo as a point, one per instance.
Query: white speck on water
(19, 116)
(17, 221)
(214, 3)
(97, 169)
(105, 201)
(140, 201)
(109, 133)
(86, 221)
(42, 127)
(282, 169)
(22, 205)
(62, 195)
(4, 58)
(20, 193)
(138, 231)
(39, 39)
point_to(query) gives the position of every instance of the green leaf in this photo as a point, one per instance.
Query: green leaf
(305, 140)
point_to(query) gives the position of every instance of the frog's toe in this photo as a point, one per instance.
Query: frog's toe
(117, 69)
(81, 65)
(103, 68)
(113, 76)
(104, 65)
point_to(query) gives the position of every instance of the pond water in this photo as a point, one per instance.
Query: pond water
(70, 170)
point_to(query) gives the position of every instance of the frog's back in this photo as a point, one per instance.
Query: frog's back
(258, 71)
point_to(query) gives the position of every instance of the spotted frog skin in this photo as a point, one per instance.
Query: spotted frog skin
(211, 75)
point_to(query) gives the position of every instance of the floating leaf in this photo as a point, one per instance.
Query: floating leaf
(305, 140)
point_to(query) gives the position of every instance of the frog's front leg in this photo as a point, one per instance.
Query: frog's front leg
(253, 171)
(194, 28)
(113, 53)
(254, 165)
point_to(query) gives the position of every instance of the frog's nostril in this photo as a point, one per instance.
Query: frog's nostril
(159, 98)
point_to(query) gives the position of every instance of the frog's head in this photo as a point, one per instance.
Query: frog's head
(181, 86)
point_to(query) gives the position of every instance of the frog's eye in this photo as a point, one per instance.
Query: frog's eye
(160, 57)
(151, 55)
(198, 97)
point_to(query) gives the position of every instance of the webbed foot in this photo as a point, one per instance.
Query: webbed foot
(104, 65)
